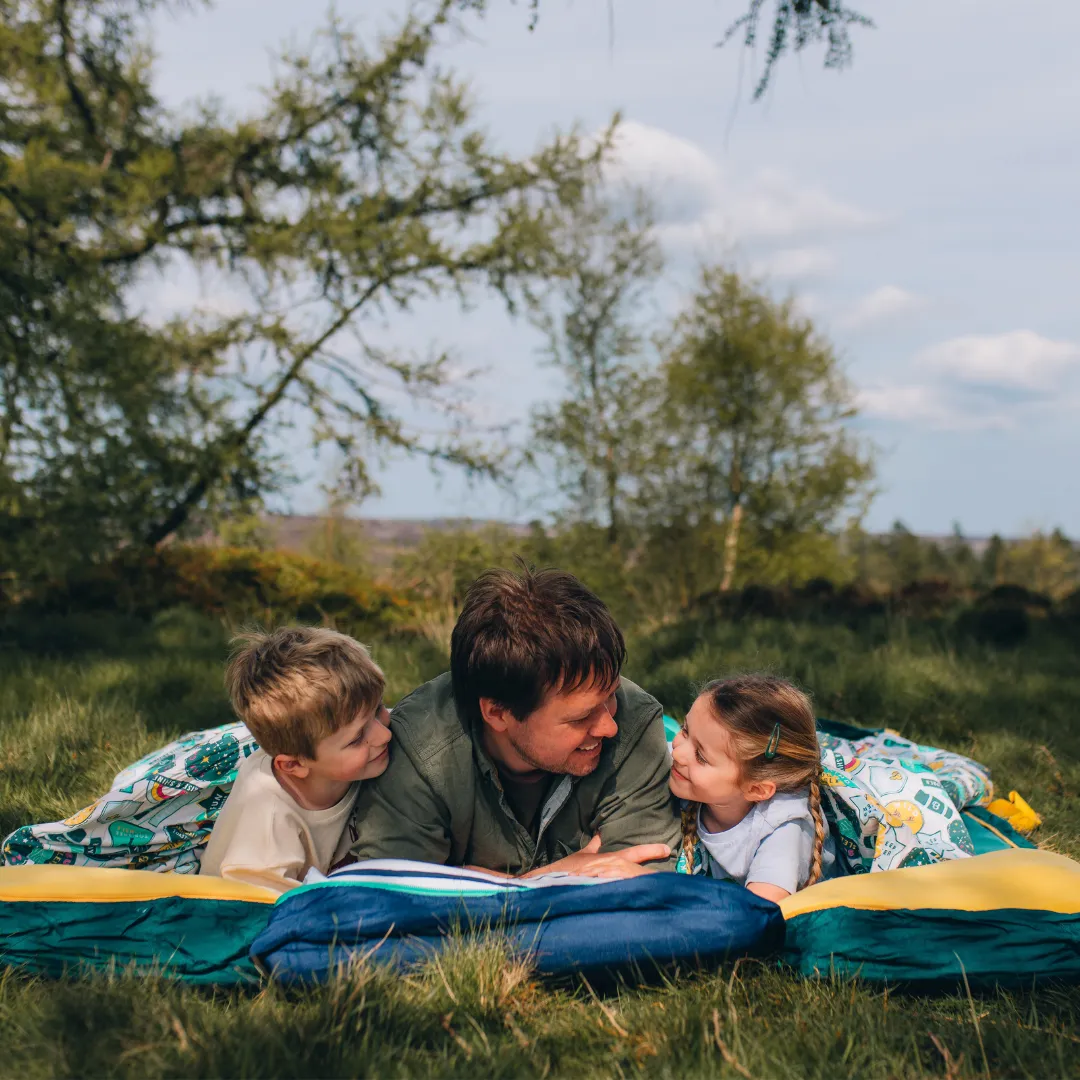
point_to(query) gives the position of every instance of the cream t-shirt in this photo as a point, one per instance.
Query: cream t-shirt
(265, 837)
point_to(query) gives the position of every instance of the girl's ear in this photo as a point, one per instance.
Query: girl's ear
(759, 791)
(291, 766)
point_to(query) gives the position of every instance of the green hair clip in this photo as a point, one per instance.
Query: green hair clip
(774, 742)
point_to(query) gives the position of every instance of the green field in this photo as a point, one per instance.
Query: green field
(79, 698)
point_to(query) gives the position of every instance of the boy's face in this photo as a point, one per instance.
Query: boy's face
(358, 751)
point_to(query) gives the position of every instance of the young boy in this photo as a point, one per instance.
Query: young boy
(313, 699)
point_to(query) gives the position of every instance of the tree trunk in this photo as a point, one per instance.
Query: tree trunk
(731, 547)
(612, 485)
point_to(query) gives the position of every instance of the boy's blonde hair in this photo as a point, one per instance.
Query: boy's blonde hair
(295, 686)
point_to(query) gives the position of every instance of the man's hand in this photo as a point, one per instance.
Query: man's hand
(590, 862)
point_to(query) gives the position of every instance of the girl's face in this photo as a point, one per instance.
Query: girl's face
(704, 767)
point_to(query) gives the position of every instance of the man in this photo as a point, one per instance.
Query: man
(531, 754)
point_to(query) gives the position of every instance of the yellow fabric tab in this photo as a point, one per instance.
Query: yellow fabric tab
(1016, 811)
(1019, 878)
(89, 884)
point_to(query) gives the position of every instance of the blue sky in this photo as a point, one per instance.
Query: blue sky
(923, 206)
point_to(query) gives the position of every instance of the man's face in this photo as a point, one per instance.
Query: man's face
(566, 733)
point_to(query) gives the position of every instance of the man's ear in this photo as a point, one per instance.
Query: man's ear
(291, 766)
(759, 791)
(496, 716)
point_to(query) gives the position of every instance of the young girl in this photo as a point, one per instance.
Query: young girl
(747, 765)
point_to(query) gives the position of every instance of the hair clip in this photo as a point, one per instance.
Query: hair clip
(774, 742)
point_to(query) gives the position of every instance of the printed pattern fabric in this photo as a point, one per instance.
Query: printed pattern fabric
(157, 815)
(890, 803)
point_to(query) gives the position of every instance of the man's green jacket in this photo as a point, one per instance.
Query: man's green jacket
(440, 799)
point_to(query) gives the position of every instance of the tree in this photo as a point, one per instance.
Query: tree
(756, 407)
(964, 564)
(1048, 564)
(907, 555)
(993, 562)
(795, 25)
(593, 324)
(360, 186)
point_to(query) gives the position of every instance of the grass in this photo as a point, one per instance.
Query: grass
(81, 698)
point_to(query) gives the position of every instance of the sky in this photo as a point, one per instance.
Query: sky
(922, 206)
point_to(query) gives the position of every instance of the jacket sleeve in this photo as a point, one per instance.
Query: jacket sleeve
(399, 816)
(636, 805)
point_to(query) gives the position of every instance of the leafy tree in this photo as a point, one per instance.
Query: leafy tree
(593, 324)
(794, 25)
(797, 24)
(248, 530)
(360, 185)
(906, 553)
(756, 407)
(993, 562)
(964, 567)
(339, 539)
(1048, 564)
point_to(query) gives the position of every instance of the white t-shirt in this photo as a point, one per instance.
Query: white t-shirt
(773, 844)
(265, 837)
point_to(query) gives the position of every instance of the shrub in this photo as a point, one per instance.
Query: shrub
(1005, 627)
(1015, 596)
(763, 601)
(237, 583)
(926, 597)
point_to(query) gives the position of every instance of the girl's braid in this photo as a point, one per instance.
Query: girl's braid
(819, 827)
(689, 832)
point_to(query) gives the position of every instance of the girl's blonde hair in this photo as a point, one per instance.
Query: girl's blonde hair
(750, 707)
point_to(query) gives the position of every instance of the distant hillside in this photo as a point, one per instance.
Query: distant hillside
(383, 537)
(386, 537)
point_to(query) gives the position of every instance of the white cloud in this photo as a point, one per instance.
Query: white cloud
(699, 203)
(1020, 359)
(773, 206)
(978, 382)
(926, 404)
(882, 305)
(794, 264)
(679, 175)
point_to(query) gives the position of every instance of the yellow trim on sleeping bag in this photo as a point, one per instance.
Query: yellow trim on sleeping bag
(91, 884)
(1018, 878)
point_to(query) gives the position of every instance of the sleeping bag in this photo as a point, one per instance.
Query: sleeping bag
(69, 918)
(399, 912)
(1009, 917)
(1009, 914)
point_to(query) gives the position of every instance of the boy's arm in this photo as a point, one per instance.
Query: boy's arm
(276, 880)
(265, 849)
(399, 816)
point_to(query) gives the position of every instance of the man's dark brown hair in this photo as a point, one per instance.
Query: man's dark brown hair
(521, 634)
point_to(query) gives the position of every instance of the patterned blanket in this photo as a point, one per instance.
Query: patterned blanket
(157, 815)
(892, 803)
